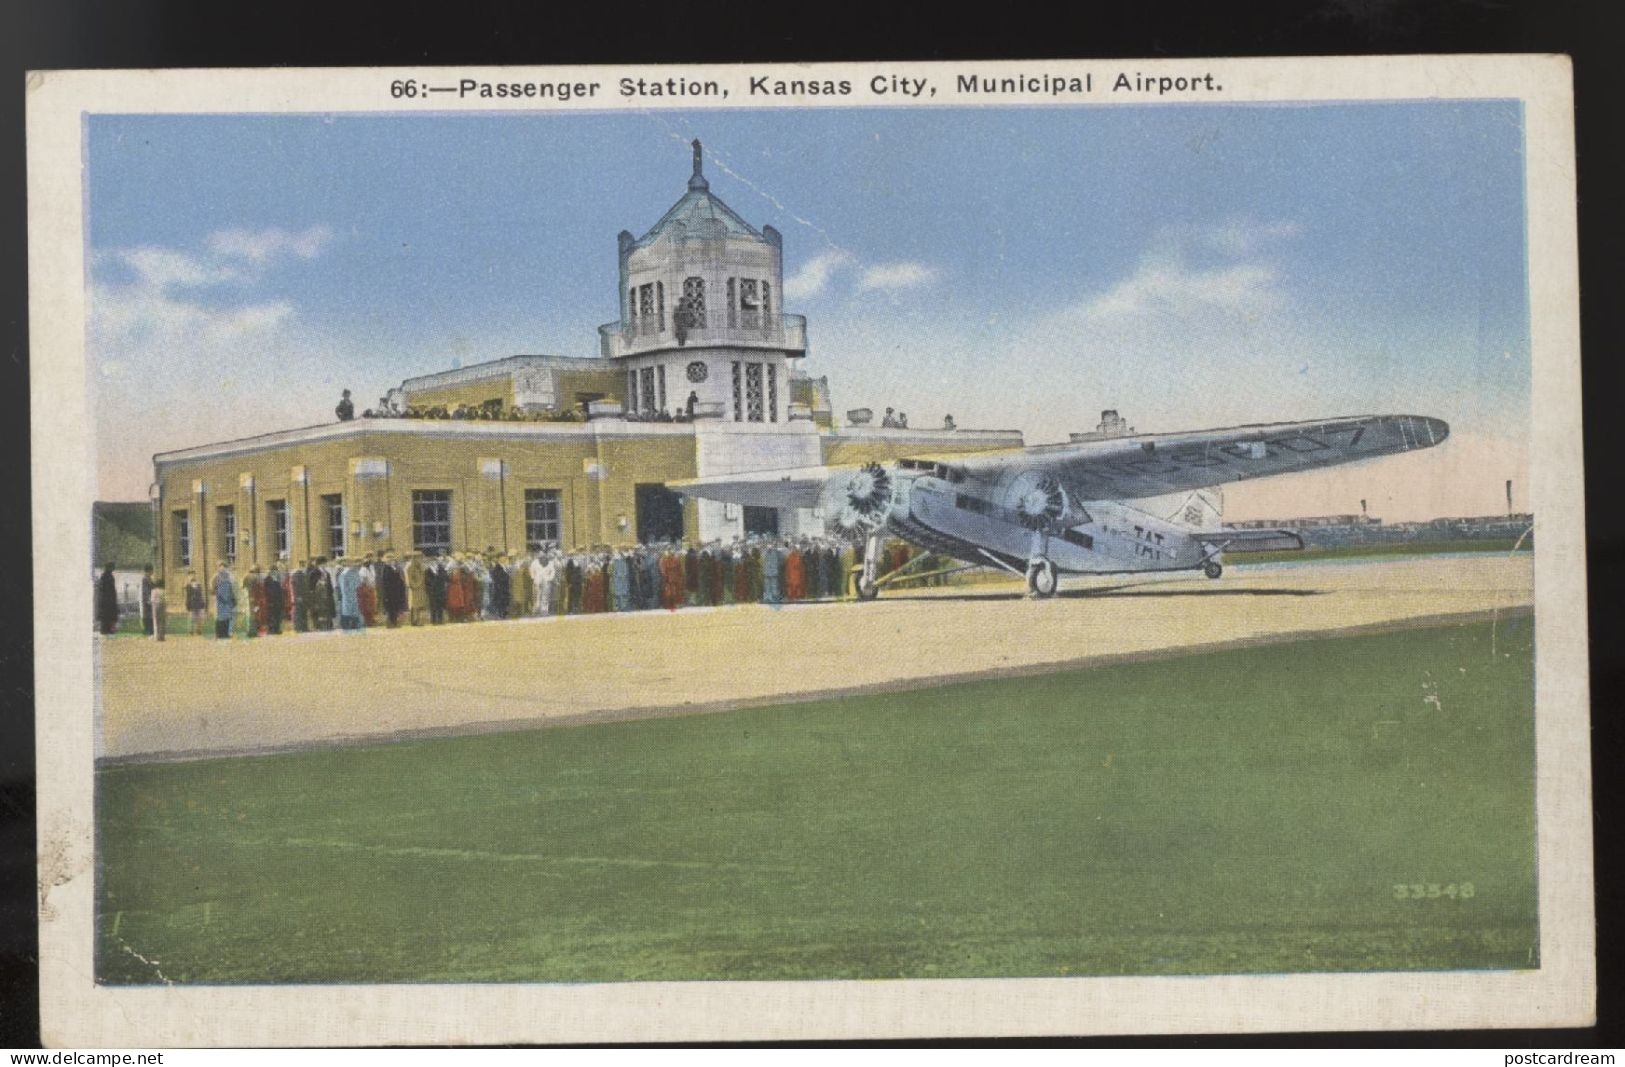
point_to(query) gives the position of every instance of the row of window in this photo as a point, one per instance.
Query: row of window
(749, 304)
(431, 524)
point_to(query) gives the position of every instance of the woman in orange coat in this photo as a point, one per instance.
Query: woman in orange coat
(795, 576)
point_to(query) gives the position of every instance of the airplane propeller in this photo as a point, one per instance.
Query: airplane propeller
(869, 491)
(1040, 501)
(868, 501)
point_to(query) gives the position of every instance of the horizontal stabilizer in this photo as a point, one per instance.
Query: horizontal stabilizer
(798, 487)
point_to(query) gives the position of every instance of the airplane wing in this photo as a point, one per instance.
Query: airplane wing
(1234, 541)
(793, 488)
(1146, 465)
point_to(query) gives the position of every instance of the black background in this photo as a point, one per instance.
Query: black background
(52, 34)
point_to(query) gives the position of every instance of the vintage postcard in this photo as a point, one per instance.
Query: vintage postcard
(736, 553)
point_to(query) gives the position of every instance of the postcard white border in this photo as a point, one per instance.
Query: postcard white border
(77, 1012)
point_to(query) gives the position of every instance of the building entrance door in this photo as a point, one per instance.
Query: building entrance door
(660, 514)
(761, 522)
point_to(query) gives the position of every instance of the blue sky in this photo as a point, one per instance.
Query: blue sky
(1021, 267)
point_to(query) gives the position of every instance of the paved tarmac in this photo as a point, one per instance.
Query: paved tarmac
(195, 697)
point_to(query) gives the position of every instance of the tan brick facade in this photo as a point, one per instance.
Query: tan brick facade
(373, 469)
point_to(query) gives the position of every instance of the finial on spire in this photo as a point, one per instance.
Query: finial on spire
(698, 180)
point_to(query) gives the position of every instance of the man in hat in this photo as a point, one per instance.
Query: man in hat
(275, 595)
(146, 600)
(195, 604)
(417, 589)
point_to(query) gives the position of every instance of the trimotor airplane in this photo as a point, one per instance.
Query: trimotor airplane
(1141, 502)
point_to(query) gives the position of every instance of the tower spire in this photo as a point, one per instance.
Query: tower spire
(698, 180)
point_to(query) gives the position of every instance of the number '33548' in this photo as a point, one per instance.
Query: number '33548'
(1434, 891)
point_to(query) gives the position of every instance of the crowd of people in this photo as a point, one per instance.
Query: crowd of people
(478, 412)
(419, 590)
(495, 411)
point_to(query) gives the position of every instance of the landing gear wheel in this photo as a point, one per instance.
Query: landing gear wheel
(866, 590)
(1042, 580)
(1212, 569)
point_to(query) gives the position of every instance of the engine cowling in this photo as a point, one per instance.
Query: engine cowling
(860, 503)
(1038, 500)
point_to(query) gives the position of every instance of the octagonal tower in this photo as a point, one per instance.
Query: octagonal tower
(701, 321)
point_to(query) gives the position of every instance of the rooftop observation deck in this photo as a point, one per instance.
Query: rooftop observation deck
(743, 329)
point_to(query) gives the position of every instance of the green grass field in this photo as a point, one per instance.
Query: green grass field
(1242, 811)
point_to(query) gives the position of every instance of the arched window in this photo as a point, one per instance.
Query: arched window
(694, 293)
(733, 318)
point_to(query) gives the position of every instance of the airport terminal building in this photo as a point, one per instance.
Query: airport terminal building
(700, 375)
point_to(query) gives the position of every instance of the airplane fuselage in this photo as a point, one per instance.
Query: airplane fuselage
(1091, 537)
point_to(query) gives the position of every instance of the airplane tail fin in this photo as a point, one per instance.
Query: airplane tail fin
(1201, 508)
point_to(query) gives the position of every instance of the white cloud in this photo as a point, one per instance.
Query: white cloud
(890, 276)
(1171, 287)
(177, 366)
(817, 274)
(261, 246)
(814, 275)
(160, 268)
(1241, 237)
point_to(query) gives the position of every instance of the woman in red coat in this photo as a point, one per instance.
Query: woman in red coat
(594, 595)
(257, 609)
(674, 588)
(457, 595)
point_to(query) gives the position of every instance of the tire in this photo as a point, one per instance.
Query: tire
(1212, 569)
(866, 590)
(1042, 579)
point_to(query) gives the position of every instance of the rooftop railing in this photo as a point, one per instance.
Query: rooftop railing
(747, 328)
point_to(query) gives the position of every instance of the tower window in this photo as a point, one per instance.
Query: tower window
(694, 294)
(733, 311)
(772, 393)
(750, 309)
(739, 404)
(646, 308)
(753, 392)
(647, 393)
(767, 302)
